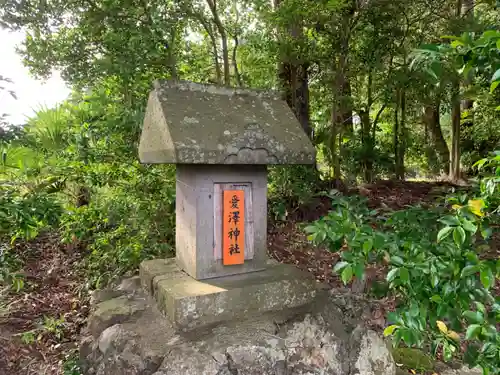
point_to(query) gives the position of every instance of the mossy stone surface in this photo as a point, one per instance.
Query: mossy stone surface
(414, 359)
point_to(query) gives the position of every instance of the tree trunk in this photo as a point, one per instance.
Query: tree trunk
(456, 112)
(396, 132)
(293, 77)
(215, 51)
(433, 126)
(235, 62)
(468, 104)
(212, 4)
(172, 53)
(400, 160)
(455, 133)
(367, 140)
(341, 106)
(236, 44)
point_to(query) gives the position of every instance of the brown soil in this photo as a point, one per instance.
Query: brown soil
(51, 290)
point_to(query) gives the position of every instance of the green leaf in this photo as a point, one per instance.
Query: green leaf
(368, 245)
(397, 261)
(436, 298)
(450, 220)
(479, 164)
(487, 277)
(310, 229)
(459, 236)
(434, 280)
(469, 270)
(347, 274)
(392, 274)
(472, 331)
(443, 233)
(474, 316)
(390, 330)
(359, 271)
(496, 76)
(404, 275)
(378, 241)
(339, 266)
(494, 85)
(480, 307)
(469, 226)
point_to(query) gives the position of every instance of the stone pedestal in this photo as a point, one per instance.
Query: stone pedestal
(191, 303)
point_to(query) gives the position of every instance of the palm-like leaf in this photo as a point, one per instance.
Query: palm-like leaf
(50, 127)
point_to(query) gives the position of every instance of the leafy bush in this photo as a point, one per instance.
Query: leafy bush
(125, 225)
(289, 188)
(22, 216)
(443, 285)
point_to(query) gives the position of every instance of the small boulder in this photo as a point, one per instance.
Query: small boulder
(369, 354)
(114, 311)
(113, 338)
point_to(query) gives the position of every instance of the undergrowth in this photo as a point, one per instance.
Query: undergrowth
(435, 267)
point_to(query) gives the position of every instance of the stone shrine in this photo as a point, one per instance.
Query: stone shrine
(221, 140)
(221, 307)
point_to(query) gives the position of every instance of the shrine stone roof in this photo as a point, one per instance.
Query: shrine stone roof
(191, 123)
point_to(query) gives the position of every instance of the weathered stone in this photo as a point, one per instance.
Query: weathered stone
(190, 123)
(188, 361)
(114, 338)
(149, 269)
(129, 285)
(286, 342)
(463, 371)
(87, 346)
(114, 311)
(125, 363)
(191, 304)
(101, 295)
(311, 347)
(369, 354)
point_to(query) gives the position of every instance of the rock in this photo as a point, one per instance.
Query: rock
(114, 311)
(176, 364)
(87, 346)
(463, 371)
(125, 363)
(130, 336)
(369, 354)
(311, 343)
(99, 296)
(129, 285)
(114, 337)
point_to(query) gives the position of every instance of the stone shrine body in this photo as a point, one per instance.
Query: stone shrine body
(221, 140)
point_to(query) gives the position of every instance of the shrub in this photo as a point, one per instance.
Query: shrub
(442, 284)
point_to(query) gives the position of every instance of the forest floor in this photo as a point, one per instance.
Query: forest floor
(39, 326)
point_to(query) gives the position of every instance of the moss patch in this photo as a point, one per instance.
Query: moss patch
(414, 359)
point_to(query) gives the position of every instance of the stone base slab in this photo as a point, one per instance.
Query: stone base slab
(190, 304)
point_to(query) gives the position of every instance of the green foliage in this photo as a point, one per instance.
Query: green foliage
(289, 188)
(125, 225)
(74, 169)
(9, 264)
(434, 268)
(71, 366)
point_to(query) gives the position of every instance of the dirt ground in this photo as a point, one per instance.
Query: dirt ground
(33, 343)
